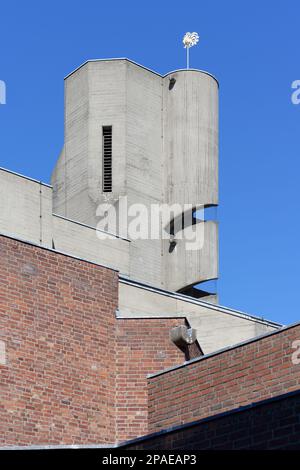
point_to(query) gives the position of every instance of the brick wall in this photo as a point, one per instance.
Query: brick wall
(57, 319)
(70, 372)
(241, 375)
(144, 347)
(271, 425)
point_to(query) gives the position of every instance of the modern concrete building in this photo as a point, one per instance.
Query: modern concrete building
(132, 132)
(88, 310)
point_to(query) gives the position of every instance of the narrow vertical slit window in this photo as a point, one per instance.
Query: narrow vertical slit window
(107, 159)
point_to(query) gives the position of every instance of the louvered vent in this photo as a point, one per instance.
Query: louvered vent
(107, 158)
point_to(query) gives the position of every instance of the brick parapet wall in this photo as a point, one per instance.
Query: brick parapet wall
(269, 425)
(235, 377)
(57, 324)
(143, 347)
(70, 372)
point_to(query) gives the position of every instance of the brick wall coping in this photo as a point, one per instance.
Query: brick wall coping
(177, 295)
(223, 350)
(25, 177)
(60, 446)
(58, 252)
(215, 417)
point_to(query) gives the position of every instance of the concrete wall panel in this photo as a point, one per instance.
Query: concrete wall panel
(25, 208)
(82, 241)
(217, 327)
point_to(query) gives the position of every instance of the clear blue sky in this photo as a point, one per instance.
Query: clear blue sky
(251, 46)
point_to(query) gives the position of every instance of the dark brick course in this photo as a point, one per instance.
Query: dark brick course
(273, 424)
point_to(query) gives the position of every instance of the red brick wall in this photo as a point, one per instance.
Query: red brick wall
(57, 318)
(249, 373)
(144, 347)
(74, 374)
(269, 425)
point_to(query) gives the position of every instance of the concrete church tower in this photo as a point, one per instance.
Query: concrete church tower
(154, 139)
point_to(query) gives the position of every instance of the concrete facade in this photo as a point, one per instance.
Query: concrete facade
(217, 327)
(26, 208)
(26, 214)
(164, 151)
(82, 241)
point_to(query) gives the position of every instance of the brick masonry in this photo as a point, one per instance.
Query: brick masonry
(143, 348)
(248, 373)
(269, 425)
(57, 322)
(71, 373)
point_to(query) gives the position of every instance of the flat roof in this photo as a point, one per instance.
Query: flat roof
(203, 303)
(142, 66)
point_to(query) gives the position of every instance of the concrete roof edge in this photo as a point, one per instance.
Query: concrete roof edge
(111, 59)
(26, 177)
(194, 70)
(140, 65)
(186, 298)
(223, 350)
(114, 235)
(151, 317)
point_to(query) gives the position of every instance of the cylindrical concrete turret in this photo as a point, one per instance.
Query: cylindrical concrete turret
(190, 105)
(190, 149)
(132, 132)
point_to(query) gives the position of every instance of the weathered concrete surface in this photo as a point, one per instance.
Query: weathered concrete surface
(217, 327)
(188, 267)
(164, 151)
(83, 241)
(25, 208)
(190, 117)
(26, 213)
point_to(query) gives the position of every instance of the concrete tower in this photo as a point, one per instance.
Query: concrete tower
(154, 139)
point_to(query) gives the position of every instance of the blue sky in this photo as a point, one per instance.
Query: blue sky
(252, 48)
